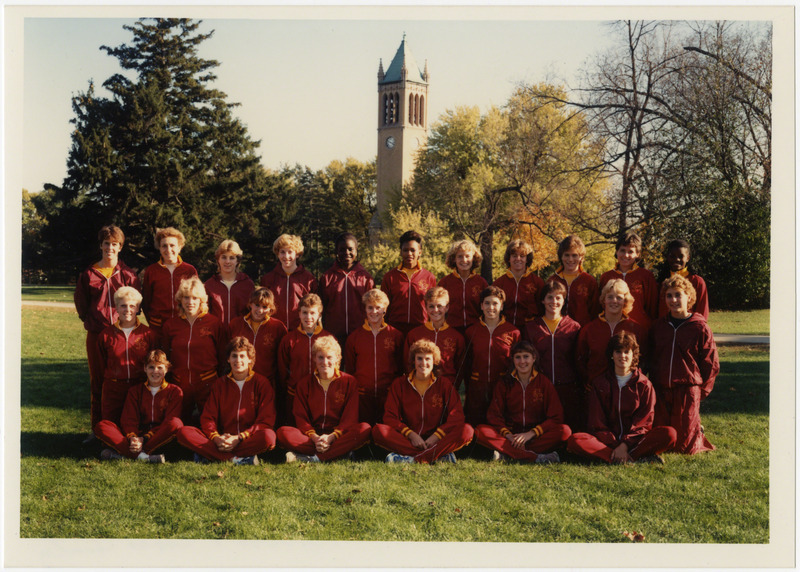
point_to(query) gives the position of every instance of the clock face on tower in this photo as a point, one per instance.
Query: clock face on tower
(390, 142)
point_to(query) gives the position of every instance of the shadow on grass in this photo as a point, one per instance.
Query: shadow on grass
(55, 383)
(56, 445)
(742, 385)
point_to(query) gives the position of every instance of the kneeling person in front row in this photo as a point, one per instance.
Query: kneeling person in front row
(239, 414)
(325, 410)
(621, 405)
(423, 420)
(526, 420)
(150, 416)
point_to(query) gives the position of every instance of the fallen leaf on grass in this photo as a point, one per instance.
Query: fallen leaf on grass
(88, 466)
(634, 536)
(356, 490)
(248, 482)
(220, 474)
(82, 507)
(432, 503)
(217, 524)
(458, 510)
(44, 497)
(244, 513)
(348, 501)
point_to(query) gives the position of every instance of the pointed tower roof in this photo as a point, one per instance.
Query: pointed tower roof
(403, 61)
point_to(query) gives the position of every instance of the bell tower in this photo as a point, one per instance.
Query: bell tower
(402, 121)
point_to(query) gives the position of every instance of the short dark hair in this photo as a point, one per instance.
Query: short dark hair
(410, 235)
(622, 341)
(342, 237)
(555, 286)
(111, 232)
(493, 291)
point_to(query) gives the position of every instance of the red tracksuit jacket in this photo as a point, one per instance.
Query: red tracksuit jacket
(593, 340)
(123, 358)
(266, 338)
(557, 349)
(159, 287)
(144, 412)
(516, 410)
(522, 298)
(686, 355)
(229, 303)
(450, 343)
(94, 295)
(195, 350)
(295, 360)
(437, 411)
(406, 296)
(239, 411)
(288, 289)
(341, 294)
(487, 355)
(321, 411)
(700, 305)
(583, 296)
(621, 416)
(644, 290)
(465, 298)
(374, 360)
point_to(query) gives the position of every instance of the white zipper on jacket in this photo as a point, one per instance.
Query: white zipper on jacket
(464, 299)
(346, 305)
(310, 356)
(226, 312)
(619, 409)
(672, 351)
(375, 358)
(152, 406)
(524, 389)
(239, 407)
(110, 303)
(516, 302)
(553, 352)
(489, 354)
(422, 400)
(325, 403)
(172, 291)
(410, 286)
(127, 355)
(189, 351)
(288, 276)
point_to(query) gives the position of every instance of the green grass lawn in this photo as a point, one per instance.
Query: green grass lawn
(718, 497)
(750, 322)
(48, 293)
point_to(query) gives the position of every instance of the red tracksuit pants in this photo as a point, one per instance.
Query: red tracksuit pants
(113, 398)
(194, 439)
(655, 441)
(95, 359)
(292, 439)
(679, 408)
(548, 441)
(110, 434)
(394, 441)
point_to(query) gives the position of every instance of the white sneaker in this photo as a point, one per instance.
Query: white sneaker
(291, 457)
(398, 458)
(157, 459)
(308, 458)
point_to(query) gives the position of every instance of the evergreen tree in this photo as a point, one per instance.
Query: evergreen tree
(163, 150)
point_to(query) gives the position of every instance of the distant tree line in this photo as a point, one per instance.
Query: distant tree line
(669, 135)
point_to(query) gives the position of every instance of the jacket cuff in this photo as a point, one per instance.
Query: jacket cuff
(504, 431)
(405, 431)
(213, 434)
(244, 435)
(311, 433)
(131, 435)
(439, 433)
(537, 431)
(337, 433)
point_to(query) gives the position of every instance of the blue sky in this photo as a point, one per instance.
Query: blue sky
(307, 88)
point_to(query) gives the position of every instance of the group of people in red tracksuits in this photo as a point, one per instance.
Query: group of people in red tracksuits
(323, 368)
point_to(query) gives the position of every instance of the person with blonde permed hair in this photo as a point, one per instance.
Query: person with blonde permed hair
(123, 347)
(161, 280)
(437, 329)
(295, 358)
(520, 284)
(374, 356)
(684, 365)
(93, 302)
(238, 417)
(342, 287)
(194, 342)
(288, 281)
(150, 417)
(325, 423)
(617, 302)
(263, 331)
(229, 290)
(464, 284)
(423, 421)
(582, 301)
(641, 282)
